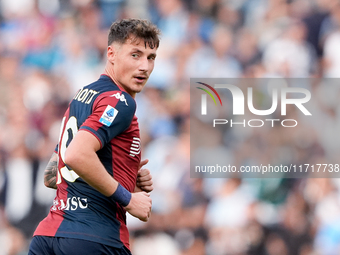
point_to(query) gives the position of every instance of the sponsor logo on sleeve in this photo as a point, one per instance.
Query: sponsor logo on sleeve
(108, 116)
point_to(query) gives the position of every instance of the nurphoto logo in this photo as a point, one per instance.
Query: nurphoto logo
(238, 105)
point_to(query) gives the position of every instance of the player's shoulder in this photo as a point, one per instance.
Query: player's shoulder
(124, 98)
(110, 92)
(118, 98)
(118, 102)
(116, 105)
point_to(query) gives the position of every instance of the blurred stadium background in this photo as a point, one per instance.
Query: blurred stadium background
(51, 48)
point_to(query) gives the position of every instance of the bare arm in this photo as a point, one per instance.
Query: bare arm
(50, 174)
(81, 156)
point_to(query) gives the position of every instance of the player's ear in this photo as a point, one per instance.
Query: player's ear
(111, 53)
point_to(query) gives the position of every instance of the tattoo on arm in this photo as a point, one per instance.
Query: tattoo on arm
(50, 175)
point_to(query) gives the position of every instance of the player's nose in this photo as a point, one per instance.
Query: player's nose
(143, 64)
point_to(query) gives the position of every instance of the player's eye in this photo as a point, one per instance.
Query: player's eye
(152, 57)
(135, 55)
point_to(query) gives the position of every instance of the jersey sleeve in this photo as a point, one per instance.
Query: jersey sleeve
(111, 116)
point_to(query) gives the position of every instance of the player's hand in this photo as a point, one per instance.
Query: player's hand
(140, 206)
(144, 178)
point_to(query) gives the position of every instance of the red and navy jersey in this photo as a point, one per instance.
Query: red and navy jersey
(80, 211)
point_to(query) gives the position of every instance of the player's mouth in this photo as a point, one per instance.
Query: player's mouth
(140, 78)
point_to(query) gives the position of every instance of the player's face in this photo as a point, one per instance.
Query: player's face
(133, 63)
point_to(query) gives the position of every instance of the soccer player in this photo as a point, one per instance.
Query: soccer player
(99, 155)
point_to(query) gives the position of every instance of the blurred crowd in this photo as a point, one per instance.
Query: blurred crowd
(51, 48)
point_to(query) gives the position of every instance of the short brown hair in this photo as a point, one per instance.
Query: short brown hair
(121, 30)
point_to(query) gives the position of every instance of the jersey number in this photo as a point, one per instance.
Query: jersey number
(65, 138)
